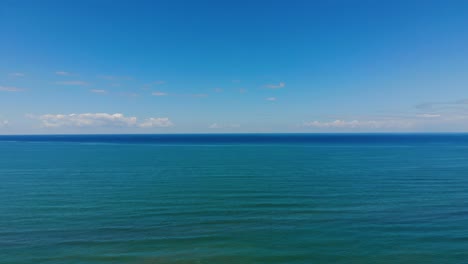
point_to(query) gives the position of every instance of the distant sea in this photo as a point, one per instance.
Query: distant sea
(249, 198)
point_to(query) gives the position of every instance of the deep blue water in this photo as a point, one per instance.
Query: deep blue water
(276, 198)
(214, 139)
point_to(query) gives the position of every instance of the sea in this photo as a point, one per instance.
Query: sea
(234, 198)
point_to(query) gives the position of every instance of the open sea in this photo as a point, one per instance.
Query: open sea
(248, 198)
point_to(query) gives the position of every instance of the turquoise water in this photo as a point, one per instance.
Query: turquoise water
(368, 199)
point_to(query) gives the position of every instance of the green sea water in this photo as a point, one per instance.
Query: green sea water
(72, 202)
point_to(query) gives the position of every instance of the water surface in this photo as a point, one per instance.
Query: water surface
(234, 199)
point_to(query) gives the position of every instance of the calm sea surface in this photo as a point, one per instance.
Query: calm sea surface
(234, 199)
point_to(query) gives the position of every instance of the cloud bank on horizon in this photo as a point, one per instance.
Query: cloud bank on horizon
(322, 67)
(99, 119)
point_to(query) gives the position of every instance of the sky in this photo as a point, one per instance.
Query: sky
(87, 67)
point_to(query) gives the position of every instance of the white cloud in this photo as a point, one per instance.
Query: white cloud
(16, 74)
(156, 122)
(276, 86)
(99, 120)
(428, 115)
(159, 93)
(218, 90)
(271, 99)
(214, 125)
(74, 83)
(360, 124)
(63, 73)
(98, 91)
(87, 119)
(242, 90)
(10, 89)
(220, 126)
(4, 123)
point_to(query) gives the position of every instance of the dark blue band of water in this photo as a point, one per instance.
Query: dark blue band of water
(406, 139)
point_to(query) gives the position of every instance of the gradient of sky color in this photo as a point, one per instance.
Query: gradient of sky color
(233, 66)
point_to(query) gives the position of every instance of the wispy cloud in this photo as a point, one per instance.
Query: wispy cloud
(276, 86)
(428, 115)
(218, 90)
(222, 126)
(87, 119)
(156, 122)
(455, 119)
(236, 81)
(445, 114)
(159, 94)
(99, 91)
(242, 90)
(63, 73)
(439, 105)
(99, 120)
(377, 124)
(72, 83)
(16, 74)
(10, 89)
(270, 98)
(4, 123)
(152, 84)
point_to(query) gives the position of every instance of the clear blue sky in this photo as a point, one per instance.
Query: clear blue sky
(233, 66)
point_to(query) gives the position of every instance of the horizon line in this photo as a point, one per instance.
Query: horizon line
(245, 133)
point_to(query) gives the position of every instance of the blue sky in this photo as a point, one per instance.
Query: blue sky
(233, 66)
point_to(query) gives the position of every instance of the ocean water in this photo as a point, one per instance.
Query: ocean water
(234, 199)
